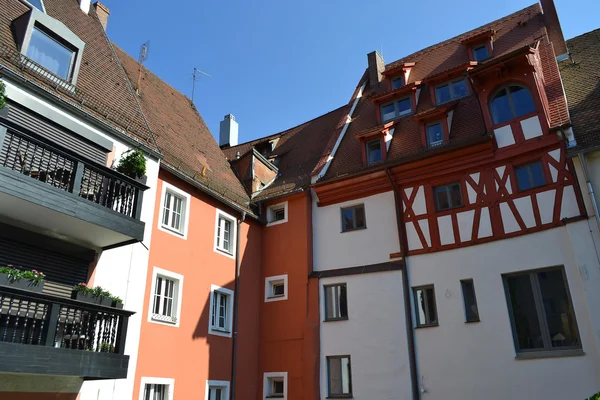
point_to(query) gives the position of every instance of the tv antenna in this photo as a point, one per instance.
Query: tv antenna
(143, 57)
(195, 77)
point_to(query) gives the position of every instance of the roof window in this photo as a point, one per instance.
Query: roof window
(480, 52)
(39, 4)
(452, 90)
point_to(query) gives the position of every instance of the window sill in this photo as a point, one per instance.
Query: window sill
(226, 252)
(353, 230)
(281, 296)
(172, 231)
(278, 396)
(219, 332)
(550, 354)
(336, 319)
(281, 221)
(339, 396)
(163, 319)
(427, 326)
(474, 321)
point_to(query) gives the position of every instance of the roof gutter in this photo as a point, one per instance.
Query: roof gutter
(4, 71)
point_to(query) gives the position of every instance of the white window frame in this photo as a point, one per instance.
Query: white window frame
(216, 331)
(232, 232)
(220, 384)
(269, 281)
(182, 233)
(267, 377)
(145, 380)
(177, 301)
(271, 213)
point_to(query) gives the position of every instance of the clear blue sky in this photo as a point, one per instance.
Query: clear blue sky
(278, 63)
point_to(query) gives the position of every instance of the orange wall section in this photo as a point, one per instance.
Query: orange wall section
(188, 354)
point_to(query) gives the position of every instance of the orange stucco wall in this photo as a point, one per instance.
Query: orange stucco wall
(188, 354)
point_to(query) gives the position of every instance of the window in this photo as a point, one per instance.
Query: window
(217, 390)
(480, 52)
(374, 151)
(225, 231)
(468, 290)
(336, 303)
(435, 134)
(353, 218)
(511, 102)
(156, 388)
(450, 91)
(165, 304)
(339, 376)
(277, 214)
(396, 109)
(425, 306)
(221, 311)
(175, 206)
(50, 53)
(275, 385)
(39, 4)
(397, 82)
(448, 196)
(276, 288)
(530, 176)
(541, 311)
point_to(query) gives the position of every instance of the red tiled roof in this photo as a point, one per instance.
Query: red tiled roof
(581, 78)
(181, 134)
(102, 89)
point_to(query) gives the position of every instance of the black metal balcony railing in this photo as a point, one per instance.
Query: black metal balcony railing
(41, 320)
(65, 171)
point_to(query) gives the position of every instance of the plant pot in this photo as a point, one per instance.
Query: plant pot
(88, 298)
(22, 284)
(117, 304)
(142, 179)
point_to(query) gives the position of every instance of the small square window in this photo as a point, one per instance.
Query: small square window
(397, 82)
(275, 385)
(224, 234)
(166, 297)
(425, 306)
(153, 391)
(435, 134)
(221, 311)
(336, 303)
(480, 52)
(353, 218)
(530, 176)
(373, 151)
(339, 376)
(175, 209)
(471, 310)
(217, 390)
(277, 214)
(276, 288)
(448, 196)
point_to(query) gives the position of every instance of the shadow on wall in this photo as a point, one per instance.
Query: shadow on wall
(220, 344)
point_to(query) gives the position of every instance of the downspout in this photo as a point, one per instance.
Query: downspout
(589, 186)
(236, 302)
(410, 335)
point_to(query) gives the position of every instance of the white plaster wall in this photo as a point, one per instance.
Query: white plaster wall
(374, 336)
(477, 360)
(334, 249)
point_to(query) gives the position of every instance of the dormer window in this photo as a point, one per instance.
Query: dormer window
(435, 134)
(511, 102)
(480, 52)
(397, 82)
(374, 153)
(39, 4)
(396, 109)
(452, 90)
(50, 53)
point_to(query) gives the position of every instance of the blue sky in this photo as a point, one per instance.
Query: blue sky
(276, 64)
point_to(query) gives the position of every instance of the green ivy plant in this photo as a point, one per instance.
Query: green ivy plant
(133, 164)
(15, 274)
(594, 397)
(2, 95)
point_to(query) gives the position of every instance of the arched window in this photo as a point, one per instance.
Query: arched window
(511, 102)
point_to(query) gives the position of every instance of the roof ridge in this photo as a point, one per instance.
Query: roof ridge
(597, 30)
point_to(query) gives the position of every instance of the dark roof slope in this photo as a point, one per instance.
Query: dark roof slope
(581, 78)
(102, 89)
(298, 150)
(181, 134)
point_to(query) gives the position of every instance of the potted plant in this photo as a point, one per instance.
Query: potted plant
(117, 302)
(97, 295)
(3, 109)
(22, 279)
(133, 164)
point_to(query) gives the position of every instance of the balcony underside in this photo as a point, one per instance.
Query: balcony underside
(62, 214)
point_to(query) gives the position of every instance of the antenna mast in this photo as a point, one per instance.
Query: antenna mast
(196, 72)
(143, 57)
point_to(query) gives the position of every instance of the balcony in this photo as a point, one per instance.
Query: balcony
(55, 191)
(42, 334)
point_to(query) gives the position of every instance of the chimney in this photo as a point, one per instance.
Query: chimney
(103, 13)
(85, 5)
(228, 133)
(376, 67)
(554, 30)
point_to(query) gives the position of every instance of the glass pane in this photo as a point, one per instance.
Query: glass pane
(459, 89)
(347, 219)
(455, 195)
(522, 100)
(396, 83)
(280, 214)
(530, 176)
(404, 107)
(50, 54)
(501, 111)
(331, 302)
(421, 307)
(442, 94)
(558, 309)
(335, 376)
(537, 174)
(374, 151)
(442, 199)
(471, 311)
(523, 182)
(37, 4)
(359, 215)
(167, 208)
(279, 289)
(388, 112)
(431, 306)
(345, 375)
(277, 387)
(525, 318)
(481, 53)
(435, 135)
(343, 302)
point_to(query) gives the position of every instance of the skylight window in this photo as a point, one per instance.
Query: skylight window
(50, 54)
(39, 4)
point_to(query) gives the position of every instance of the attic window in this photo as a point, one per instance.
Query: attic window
(448, 91)
(480, 52)
(397, 82)
(396, 109)
(374, 153)
(39, 4)
(50, 53)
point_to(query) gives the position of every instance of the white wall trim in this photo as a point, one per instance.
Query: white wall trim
(211, 330)
(268, 375)
(270, 213)
(178, 301)
(145, 380)
(269, 280)
(186, 210)
(233, 233)
(224, 384)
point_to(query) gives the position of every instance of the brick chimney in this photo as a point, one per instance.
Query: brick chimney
(376, 67)
(554, 30)
(228, 132)
(85, 5)
(102, 12)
